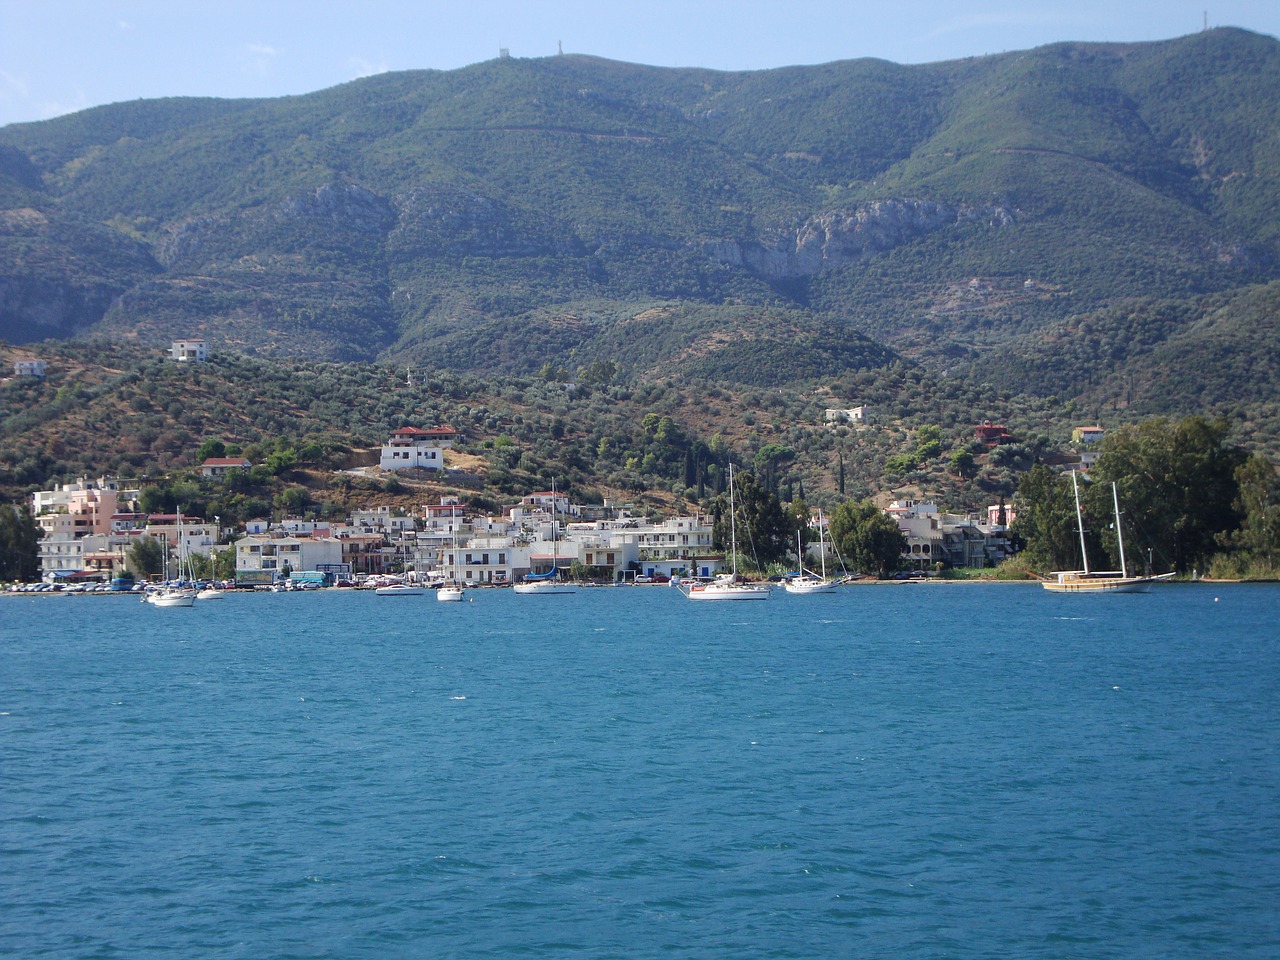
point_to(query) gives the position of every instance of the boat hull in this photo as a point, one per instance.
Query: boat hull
(172, 600)
(542, 587)
(809, 586)
(449, 594)
(399, 591)
(1102, 584)
(732, 591)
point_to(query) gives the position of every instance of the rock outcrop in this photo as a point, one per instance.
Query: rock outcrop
(839, 237)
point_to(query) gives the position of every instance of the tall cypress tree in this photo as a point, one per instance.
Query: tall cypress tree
(19, 543)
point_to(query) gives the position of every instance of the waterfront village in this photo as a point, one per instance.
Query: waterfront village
(89, 526)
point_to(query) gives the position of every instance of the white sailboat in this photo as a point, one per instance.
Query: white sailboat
(808, 581)
(451, 590)
(547, 584)
(180, 594)
(1098, 581)
(726, 586)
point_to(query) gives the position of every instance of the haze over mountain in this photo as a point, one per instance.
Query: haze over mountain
(757, 227)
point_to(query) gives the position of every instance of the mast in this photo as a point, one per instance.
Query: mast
(733, 527)
(822, 548)
(1084, 553)
(555, 552)
(1115, 498)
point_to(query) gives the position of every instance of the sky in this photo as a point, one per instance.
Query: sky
(59, 56)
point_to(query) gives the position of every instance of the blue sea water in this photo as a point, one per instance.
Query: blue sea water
(906, 771)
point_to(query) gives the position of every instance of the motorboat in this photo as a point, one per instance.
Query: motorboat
(399, 590)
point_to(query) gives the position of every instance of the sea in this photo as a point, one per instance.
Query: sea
(906, 770)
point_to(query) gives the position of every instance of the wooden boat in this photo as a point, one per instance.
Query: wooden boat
(1098, 581)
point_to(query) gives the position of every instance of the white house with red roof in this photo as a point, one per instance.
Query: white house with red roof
(221, 466)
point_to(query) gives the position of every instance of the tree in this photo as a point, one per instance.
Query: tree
(868, 537)
(1257, 540)
(224, 564)
(212, 447)
(801, 520)
(961, 464)
(19, 543)
(765, 529)
(769, 459)
(291, 500)
(1177, 485)
(201, 566)
(1045, 520)
(146, 557)
(599, 372)
(154, 499)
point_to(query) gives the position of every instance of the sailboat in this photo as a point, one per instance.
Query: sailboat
(726, 585)
(1099, 581)
(451, 590)
(180, 594)
(808, 581)
(550, 582)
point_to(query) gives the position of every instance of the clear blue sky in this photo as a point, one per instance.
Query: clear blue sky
(57, 56)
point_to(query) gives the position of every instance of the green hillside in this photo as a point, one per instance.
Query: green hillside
(524, 211)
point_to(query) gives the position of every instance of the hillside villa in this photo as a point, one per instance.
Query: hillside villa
(413, 448)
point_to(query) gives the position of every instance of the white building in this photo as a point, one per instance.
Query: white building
(444, 517)
(847, 415)
(487, 560)
(610, 550)
(28, 368)
(380, 520)
(189, 351)
(952, 539)
(539, 508)
(184, 537)
(221, 466)
(261, 558)
(410, 447)
(919, 522)
(677, 544)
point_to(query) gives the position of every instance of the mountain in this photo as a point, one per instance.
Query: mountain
(768, 226)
